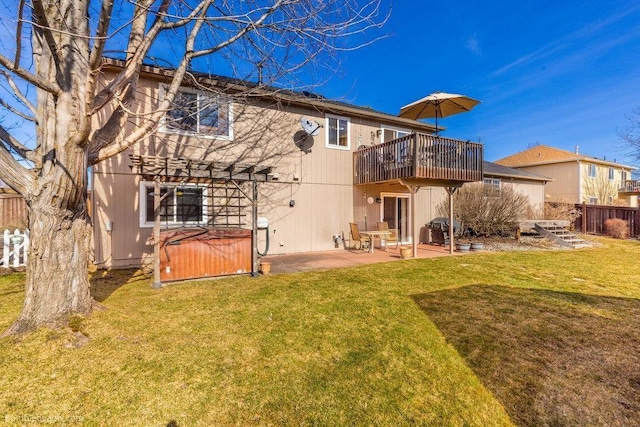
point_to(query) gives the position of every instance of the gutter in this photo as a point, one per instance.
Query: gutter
(232, 85)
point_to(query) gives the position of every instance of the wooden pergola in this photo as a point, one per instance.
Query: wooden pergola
(185, 170)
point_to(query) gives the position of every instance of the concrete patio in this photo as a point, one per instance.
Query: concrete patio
(307, 261)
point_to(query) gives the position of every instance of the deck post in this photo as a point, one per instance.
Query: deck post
(156, 233)
(451, 191)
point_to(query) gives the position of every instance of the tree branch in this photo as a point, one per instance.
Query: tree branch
(15, 111)
(43, 24)
(29, 77)
(18, 93)
(14, 174)
(16, 60)
(14, 144)
(95, 58)
(137, 49)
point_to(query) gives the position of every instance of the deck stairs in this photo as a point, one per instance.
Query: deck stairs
(560, 235)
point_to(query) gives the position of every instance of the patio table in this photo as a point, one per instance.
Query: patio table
(382, 235)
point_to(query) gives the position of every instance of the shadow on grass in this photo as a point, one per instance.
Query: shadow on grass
(551, 358)
(105, 282)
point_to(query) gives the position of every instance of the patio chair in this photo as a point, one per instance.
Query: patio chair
(393, 237)
(359, 241)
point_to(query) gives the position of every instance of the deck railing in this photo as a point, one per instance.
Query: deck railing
(419, 156)
(630, 186)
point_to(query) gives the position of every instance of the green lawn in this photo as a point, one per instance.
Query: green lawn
(472, 340)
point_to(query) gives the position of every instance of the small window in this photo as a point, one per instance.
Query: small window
(591, 170)
(612, 174)
(338, 132)
(181, 205)
(494, 183)
(198, 113)
(623, 176)
(593, 200)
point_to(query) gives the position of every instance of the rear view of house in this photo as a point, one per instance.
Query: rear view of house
(230, 151)
(578, 178)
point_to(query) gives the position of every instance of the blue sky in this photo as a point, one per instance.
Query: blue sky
(559, 73)
(555, 73)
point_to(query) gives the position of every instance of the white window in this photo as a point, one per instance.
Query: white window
(403, 153)
(591, 170)
(494, 183)
(593, 200)
(198, 113)
(389, 134)
(181, 205)
(612, 174)
(338, 129)
(623, 175)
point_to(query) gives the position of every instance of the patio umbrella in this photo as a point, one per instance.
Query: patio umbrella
(438, 104)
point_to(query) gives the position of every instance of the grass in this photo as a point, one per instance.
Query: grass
(431, 342)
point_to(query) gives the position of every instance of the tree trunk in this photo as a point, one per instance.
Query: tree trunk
(57, 276)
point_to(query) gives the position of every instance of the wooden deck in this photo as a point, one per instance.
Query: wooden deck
(420, 158)
(630, 187)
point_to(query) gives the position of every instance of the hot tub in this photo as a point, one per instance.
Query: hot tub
(191, 253)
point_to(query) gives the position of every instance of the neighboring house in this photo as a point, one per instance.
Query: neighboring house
(528, 183)
(360, 166)
(577, 178)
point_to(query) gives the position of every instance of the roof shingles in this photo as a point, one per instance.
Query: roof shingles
(542, 154)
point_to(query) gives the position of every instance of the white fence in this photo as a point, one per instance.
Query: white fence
(15, 246)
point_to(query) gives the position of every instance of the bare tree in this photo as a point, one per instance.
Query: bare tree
(488, 210)
(50, 81)
(599, 187)
(630, 135)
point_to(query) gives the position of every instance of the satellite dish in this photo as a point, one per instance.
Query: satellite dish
(310, 127)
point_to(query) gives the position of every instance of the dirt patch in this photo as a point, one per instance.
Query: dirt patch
(10, 270)
(551, 358)
(526, 243)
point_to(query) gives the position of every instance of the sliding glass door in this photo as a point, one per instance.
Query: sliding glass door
(395, 210)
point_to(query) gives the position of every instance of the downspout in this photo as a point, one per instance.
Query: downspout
(580, 183)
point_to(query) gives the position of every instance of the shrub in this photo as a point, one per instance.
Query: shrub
(487, 210)
(561, 210)
(616, 228)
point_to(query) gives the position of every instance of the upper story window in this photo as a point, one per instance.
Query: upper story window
(198, 113)
(181, 204)
(612, 174)
(338, 132)
(389, 134)
(591, 170)
(623, 175)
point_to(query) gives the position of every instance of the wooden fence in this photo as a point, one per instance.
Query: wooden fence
(592, 218)
(13, 211)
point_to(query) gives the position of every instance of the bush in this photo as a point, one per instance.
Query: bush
(487, 210)
(562, 211)
(616, 228)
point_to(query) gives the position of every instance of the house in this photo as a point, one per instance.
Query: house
(578, 178)
(306, 165)
(528, 183)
